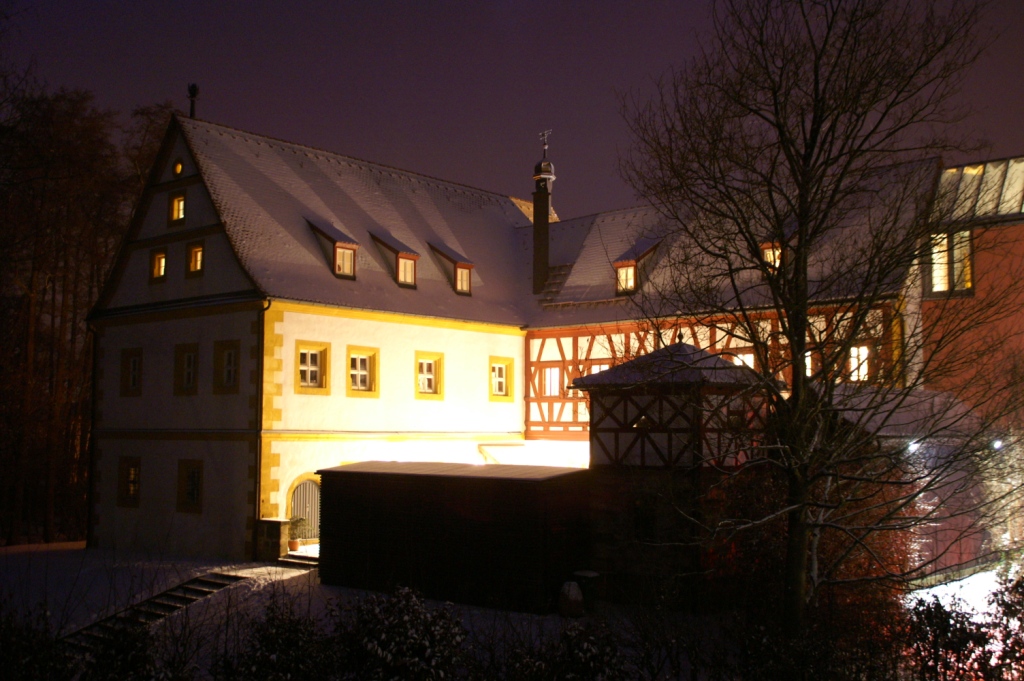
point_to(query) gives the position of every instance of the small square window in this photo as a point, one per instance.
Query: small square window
(131, 372)
(196, 262)
(406, 271)
(429, 375)
(625, 278)
(226, 366)
(176, 214)
(129, 478)
(345, 262)
(190, 486)
(501, 379)
(463, 278)
(312, 368)
(363, 371)
(158, 265)
(186, 369)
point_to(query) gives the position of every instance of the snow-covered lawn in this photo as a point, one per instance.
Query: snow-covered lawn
(974, 592)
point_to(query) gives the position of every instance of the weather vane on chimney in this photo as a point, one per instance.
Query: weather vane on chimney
(544, 139)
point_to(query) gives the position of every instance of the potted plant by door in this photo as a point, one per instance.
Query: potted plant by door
(296, 528)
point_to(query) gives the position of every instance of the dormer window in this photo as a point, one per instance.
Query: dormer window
(771, 255)
(344, 261)
(462, 280)
(625, 277)
(406, 271)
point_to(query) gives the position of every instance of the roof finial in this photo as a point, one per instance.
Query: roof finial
(193, 95)
(544, 139)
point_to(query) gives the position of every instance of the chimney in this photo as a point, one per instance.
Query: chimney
(543, 177)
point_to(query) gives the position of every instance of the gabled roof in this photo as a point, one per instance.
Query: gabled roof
(268, 192)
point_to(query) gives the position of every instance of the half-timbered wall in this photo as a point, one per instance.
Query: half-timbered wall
(557, 356)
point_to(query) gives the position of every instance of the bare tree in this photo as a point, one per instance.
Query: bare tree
(795, 162)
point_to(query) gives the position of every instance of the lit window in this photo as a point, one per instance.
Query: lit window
(743, 359)
(344, 262)
(429, 375)
(312, 368)
(771, 254)
(625, 278)
(158, 265)
(501, 379)
(363, 367)
(462, 279)
(195, 259)
(809, 363)
(178, 167)
(186, 368)
(129, 475)
(131, 372)
(552, 381)
(177, 208)
(406, 271)
(226, 359)
(190, 486)
(309, 369)
(951, 262)
(859, 363)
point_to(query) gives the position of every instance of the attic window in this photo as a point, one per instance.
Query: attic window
(406, 271)
(195, 259)
(344, 261)
(462, 280)
(177, 209)
(179, 167)
(771, 255)
(625, 277)
(158, 265)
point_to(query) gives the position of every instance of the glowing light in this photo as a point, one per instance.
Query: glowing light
(997, 444)
(913, 447)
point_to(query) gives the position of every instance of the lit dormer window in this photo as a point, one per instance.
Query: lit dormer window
(625, 277)
(771, 255)
(462, 280)
(344, 261)
(406, 271)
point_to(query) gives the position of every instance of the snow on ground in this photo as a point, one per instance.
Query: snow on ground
(973, 591)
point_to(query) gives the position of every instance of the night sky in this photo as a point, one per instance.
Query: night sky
(456, 90)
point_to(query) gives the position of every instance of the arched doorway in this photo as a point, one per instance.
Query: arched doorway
(306, 504)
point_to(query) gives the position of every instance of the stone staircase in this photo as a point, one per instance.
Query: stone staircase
(150, 610)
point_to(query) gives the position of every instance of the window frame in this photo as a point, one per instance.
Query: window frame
(545, 382)
(861, 372)
(191, 248)
(437, 358)
(323, 352)
(338, 248)
(158, 273)
(508, 364)
(771, 255)
(185, 504)
(126, 496)
(399, 259)
(950, 239)
(221, 349)
(373, 371)
(128, 355)
(459, 289)
(174, 200)
(181, 353)
(621, 287)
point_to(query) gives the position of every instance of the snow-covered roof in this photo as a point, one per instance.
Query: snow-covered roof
(676, 364)
(269, 192)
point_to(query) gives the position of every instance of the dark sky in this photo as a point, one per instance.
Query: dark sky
(457, 90)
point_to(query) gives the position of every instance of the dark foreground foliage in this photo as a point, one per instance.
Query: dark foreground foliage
(400, 636)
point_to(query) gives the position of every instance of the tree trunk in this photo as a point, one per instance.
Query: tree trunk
(795, 575)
